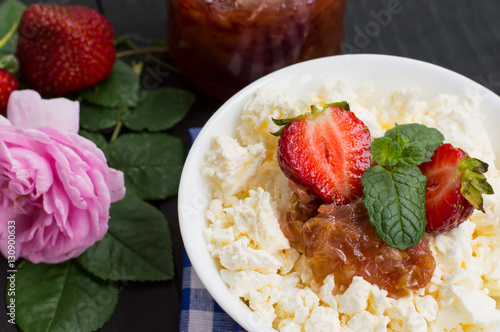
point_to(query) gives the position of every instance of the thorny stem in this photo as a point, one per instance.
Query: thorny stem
(117, 130)
(134, 47)
(9, 34)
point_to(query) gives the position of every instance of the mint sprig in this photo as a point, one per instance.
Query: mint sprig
(395, 200)
(418, 140)
(394, 189)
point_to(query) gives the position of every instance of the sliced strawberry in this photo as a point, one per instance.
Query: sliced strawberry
(326, 151)
(455, 184)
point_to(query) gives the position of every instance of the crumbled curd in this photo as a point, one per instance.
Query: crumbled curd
(251, 195)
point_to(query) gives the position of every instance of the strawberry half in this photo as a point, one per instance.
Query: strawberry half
(455, 184)
(64, 48)
(8, 83)
(325, 151)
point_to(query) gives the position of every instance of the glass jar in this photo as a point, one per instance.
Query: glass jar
(223, 45)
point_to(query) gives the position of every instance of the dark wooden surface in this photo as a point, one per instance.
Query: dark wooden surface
(461, 35)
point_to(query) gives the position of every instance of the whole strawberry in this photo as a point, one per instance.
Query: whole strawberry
(326, 151)
(64, 48)
(455, 184)
(8, 83)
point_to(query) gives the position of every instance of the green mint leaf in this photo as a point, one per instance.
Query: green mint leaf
(94, 117)
(406, 134)
(97, 138)
(61, 297)
(10, 13)
(119, 90)
(137, 246)
(151, 163)
(395, 201)
(160, 109)
(385, 151)
(413, 154)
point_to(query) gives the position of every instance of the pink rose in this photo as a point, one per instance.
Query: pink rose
(54, 184)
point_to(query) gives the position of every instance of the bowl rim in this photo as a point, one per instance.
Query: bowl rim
(197, 252)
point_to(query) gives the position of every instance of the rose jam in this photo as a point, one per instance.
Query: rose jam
(222, 45)
(341, 240)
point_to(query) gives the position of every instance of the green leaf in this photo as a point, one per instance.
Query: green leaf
(395, 201)
(119, 90)
(97, 138)
(137, 245)
(151, 163)
(385, 151)
(94, 117)
(284, 122)
(62, 297)
(160, 109)
(10, 13)
(413, 154)
(343, 104)
(474, 182)
(428, 138)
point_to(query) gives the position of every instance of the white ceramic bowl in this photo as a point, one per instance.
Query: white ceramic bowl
(384, 73)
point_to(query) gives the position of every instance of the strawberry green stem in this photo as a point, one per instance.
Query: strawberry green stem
(9, 34)
(117, 130)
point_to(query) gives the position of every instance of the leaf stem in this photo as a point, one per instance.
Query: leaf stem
(117, 130)
(153, 49)
(124, 38)
(9, 34)
(134, 46)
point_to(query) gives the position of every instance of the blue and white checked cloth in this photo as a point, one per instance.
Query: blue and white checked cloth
(199, 311)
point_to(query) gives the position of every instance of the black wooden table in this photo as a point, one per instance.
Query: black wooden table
(461, 35)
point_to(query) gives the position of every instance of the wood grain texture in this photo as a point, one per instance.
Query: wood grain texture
(145, 18)
(87, 3)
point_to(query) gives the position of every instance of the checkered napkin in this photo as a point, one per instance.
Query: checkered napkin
(199, 311)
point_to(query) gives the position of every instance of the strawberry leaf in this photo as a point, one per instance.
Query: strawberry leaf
(94, 117)
(137, 245)
(395, 201)
(343, 104)
(119, 90)
(62, 297)
(474, 183)
(160, 109)
(10, 13)
(151, 163)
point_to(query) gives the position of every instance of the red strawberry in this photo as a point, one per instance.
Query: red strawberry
(326, 152)
(8, 83)
(455, 184)
(64, 48)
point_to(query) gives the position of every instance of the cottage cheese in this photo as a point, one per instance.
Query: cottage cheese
(251, 194)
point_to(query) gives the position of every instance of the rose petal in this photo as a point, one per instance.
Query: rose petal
(26, 109)
(58, 188)
(32, 172)
(4, 121)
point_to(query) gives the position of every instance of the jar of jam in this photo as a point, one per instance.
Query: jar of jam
(223, 45)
